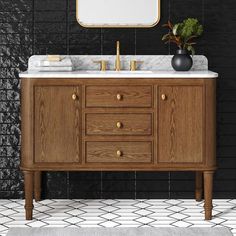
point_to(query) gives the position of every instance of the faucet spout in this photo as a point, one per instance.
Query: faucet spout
(117, 62)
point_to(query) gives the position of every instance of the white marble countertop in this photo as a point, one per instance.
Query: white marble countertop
(120, 74)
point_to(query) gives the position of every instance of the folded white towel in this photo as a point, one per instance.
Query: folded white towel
(65, 62)
(56, 68)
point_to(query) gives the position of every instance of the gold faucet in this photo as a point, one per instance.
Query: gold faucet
(117, 63)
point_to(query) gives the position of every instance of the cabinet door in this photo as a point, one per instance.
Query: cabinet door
(181, 116)
(57, 124)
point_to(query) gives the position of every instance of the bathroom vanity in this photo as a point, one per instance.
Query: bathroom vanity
(154, 124)
(118, 121)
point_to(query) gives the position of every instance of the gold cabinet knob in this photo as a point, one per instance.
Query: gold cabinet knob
(119, 153)
(119, 97)
(163, 97)
(74, 96)
(119, 125)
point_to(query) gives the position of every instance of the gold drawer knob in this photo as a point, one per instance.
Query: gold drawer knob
(74, 96)
(163, 97)
(119, 153)
(119, 97)
(119, 125)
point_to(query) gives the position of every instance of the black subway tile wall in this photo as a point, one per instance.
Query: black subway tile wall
(30, 27)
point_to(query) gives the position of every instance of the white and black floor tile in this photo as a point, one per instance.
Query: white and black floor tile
(117, 213)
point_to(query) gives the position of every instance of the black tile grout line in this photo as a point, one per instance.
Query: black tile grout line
(33, 25)
(18, 33)
(67, 184)
(38, 23)
(135, 184)
(101, 40)
(203, 21)
(31, 34)
(18, 12)
(101, 185)
(169, 49)
(67, 27)
(67, 52)
(169, 16)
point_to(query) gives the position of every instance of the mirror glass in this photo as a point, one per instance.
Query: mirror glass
(118, 13)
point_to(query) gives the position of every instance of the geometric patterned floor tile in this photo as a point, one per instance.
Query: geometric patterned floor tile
(109, 223)
(182, 224)
(143, 212)
(175, 208)
(117, 213)
(178, 216)
(145, 220)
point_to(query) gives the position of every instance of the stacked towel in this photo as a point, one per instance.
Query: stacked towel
(64, 64)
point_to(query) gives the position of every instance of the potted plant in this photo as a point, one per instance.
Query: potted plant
(183, 35)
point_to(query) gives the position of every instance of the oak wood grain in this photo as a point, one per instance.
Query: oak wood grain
(57, 124)
(210, 122)
(29, 187)
(208, 189)
(111, 166)
(128, 152)
(37, 185)
(118, 96)
(118, 124)
(181, 118)
(198, 186)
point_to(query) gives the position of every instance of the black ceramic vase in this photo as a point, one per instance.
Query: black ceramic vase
(182, 61)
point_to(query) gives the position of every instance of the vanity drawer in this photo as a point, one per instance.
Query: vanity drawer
(119, 96)
(118, 124)
(119, 152)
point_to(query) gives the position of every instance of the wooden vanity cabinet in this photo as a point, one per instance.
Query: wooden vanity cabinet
(181, 124)
(57, 124)
(118, 124)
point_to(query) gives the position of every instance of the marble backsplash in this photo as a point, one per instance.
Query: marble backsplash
(148, 62)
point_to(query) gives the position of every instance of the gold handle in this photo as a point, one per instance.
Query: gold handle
(103, 64)
(163, 97)
(118, 125)
(74, 96)
(119, 97)
(133, 64)
(119, 153)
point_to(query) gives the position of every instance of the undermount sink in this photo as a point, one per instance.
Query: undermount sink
(120, 72)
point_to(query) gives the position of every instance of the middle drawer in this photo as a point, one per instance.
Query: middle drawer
(118, 124)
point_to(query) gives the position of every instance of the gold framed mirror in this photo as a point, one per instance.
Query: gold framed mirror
(118, 13)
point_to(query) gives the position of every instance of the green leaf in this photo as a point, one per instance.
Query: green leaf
(183, 33)
(189, 28)
(175, 29)
(165, 37)
(191, 49)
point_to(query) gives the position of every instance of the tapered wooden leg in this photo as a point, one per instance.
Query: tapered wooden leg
(37, 186)
(198, 186)
(28, 182)
(208, 188)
